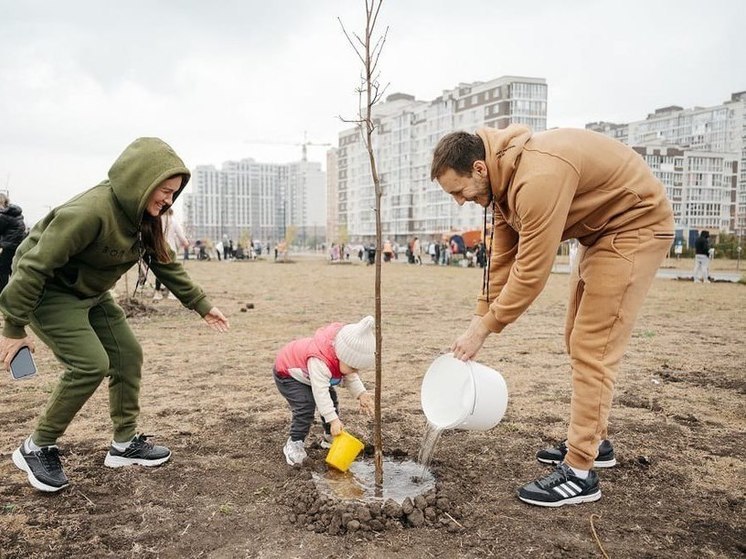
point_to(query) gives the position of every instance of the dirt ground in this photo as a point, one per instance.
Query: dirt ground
(678, 424)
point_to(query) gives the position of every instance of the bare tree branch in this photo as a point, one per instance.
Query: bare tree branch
(359, 40)
(350, 121)
(379, 43)
(349, 40)
(375, 16)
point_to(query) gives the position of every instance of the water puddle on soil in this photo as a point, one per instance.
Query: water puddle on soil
(401, 479)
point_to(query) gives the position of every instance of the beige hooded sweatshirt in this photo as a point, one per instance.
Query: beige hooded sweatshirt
(551, 186)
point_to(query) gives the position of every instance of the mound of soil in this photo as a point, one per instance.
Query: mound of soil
(135, 308)
(306, 507)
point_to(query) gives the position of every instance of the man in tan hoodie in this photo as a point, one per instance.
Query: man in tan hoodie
(542, 189)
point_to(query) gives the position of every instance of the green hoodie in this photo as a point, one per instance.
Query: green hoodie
(85, 245)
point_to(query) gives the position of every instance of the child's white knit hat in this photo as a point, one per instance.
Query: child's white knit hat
(356, 344)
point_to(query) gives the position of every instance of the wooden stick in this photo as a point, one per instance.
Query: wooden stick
(598, 541)
(86, 497)
(455, 521)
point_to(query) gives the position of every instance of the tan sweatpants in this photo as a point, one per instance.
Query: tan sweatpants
(606, 293)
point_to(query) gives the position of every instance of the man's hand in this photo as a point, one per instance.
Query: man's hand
(336, 427)
(468, 344)
(10, 346)
(366, 404)
(216, 320)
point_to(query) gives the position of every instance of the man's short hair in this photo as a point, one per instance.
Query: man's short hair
(457, 151)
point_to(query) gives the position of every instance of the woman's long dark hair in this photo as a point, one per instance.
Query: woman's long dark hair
(153, 240)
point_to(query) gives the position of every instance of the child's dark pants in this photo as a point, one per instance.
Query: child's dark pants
(302, 405)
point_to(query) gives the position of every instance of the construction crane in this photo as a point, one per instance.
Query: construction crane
(304, 144)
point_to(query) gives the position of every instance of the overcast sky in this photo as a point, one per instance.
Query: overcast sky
(80, 80)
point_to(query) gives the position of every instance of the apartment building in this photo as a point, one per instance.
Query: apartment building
(249, 199)
(306, 203)
(700, 156)
(700, 185)
(617, 131)
(406, 133)
(332, 205)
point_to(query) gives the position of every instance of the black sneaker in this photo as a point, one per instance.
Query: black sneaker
(604, 459)
(139, 452)
(43, 467)
(561, 487)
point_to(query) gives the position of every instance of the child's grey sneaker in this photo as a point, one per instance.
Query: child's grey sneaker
(561, 487)
(604, 459)
(295, 452)
(139, 452)
(326, 441)
(43, 467)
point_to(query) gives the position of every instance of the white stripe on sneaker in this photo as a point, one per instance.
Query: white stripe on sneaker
(567, 489)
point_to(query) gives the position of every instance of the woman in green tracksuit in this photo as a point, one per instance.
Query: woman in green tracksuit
(62, 274)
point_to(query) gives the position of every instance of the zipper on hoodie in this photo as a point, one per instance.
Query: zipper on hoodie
(143, 265)
(486, 272)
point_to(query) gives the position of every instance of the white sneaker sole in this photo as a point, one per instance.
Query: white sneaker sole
(121, 461)
(605, 464)
(21, 464)
(571, 501)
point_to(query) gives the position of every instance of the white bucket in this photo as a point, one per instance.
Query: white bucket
(459, 394)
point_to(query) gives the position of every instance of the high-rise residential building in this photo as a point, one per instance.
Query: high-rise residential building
(700, 186)
(407, 131)
(306, 202)
(332, 204)
(617, 131)
(700, 156)
(247, 199)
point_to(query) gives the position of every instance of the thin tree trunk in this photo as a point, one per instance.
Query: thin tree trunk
(369, 58)
(377, 437)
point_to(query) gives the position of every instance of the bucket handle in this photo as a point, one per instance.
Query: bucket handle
(473, 389)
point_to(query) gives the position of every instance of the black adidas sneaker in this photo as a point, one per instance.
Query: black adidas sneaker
(604, 459)
(140, 452)
(43, 467)
(561, 487)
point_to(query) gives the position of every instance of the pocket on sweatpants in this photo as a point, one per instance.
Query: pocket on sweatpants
(626, 243)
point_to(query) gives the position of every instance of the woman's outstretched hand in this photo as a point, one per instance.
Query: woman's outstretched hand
(216, 320)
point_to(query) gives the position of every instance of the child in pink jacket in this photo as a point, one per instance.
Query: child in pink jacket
(307, 370)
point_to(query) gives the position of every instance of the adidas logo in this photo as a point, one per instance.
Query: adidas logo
(568, 489)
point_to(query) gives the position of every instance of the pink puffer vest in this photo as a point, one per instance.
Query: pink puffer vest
(295, 354)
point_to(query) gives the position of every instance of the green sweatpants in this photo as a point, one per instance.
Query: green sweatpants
(92, 339)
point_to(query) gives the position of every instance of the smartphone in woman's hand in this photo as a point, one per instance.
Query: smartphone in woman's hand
(22, 365)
